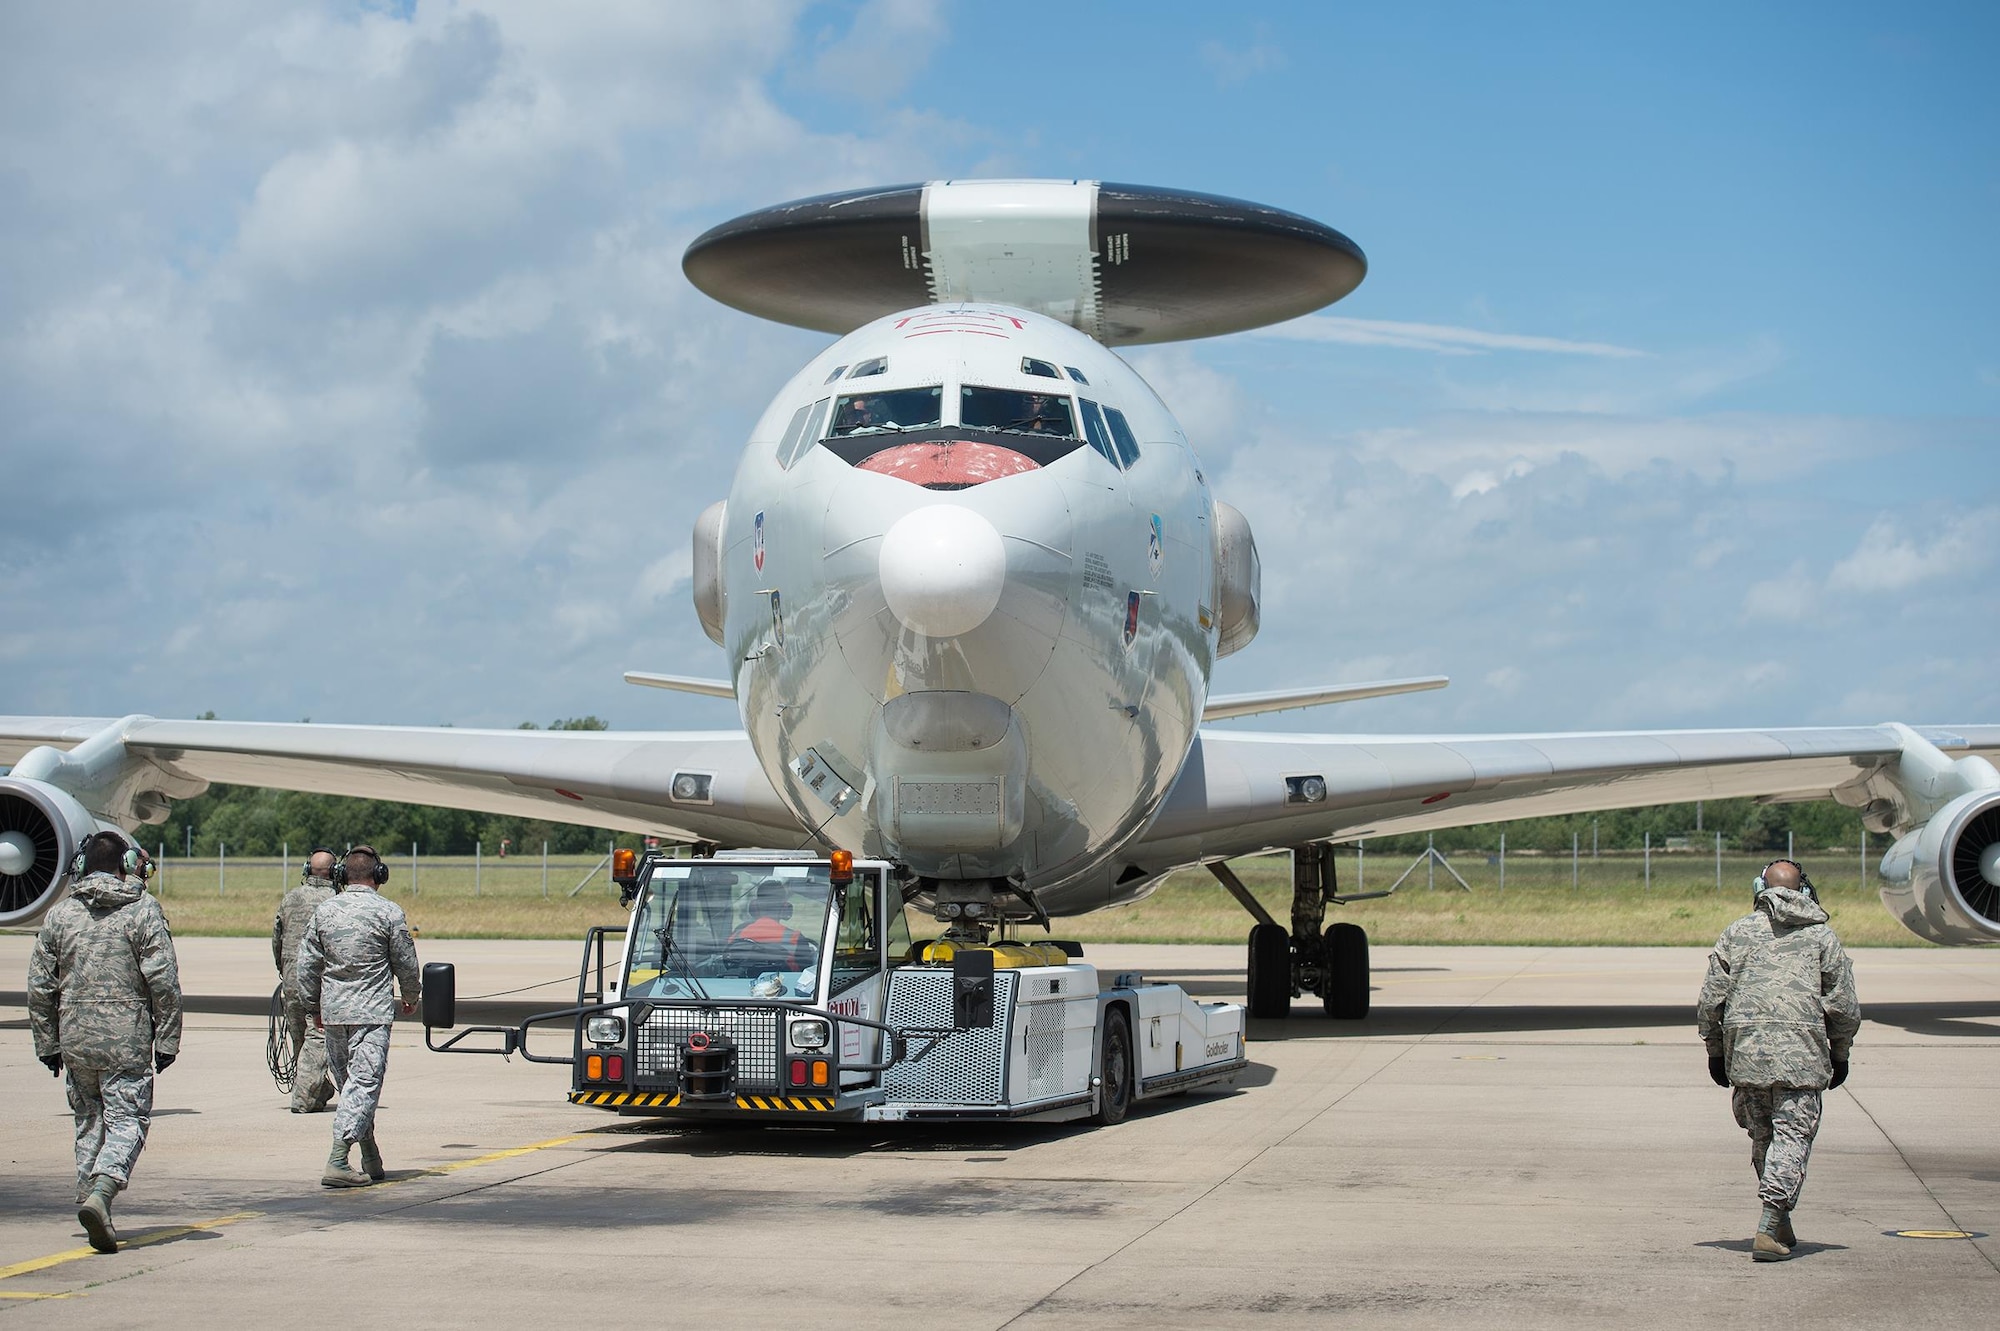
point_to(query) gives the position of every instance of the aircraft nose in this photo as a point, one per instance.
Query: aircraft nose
(943, 568)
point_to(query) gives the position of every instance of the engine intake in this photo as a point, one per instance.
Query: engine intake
(1943, 880)
(40, 829)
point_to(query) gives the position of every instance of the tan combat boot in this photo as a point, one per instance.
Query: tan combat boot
(338, 1173)
(1768, 1246)
(1783, 1233)
(95, 1213)
(371, 1159)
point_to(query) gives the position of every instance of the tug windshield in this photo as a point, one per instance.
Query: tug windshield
(708, 927)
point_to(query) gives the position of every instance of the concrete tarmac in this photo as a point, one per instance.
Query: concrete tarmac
(1515, 1137)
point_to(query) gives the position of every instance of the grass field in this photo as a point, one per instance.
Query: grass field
(1611, 905)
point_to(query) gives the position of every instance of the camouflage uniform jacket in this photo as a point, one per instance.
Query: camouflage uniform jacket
(1779, 1000)
(104, 987)
(290, 926)
(353, 946)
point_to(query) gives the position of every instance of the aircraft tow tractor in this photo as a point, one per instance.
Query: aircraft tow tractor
(770, 987)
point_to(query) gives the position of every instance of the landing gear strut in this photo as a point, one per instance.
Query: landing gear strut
(1310, 957)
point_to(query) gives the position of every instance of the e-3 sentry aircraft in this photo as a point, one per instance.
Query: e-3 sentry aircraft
(971, 584)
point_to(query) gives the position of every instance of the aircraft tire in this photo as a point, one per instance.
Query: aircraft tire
(1114, 1069)
(1346, 985)
(1270, 971)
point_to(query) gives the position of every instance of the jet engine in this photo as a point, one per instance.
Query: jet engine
(1943, 880)
(40, 829)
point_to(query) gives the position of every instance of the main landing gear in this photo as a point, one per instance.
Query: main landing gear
(1310, 957)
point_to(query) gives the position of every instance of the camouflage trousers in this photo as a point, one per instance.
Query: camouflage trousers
(357, 1056)
(1782, 1123)
(312, 1086)
(113, 1111)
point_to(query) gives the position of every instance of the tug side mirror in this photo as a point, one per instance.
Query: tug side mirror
(440, 995)
(972, 989)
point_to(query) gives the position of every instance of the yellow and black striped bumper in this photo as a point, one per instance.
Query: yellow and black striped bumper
(801, 1104)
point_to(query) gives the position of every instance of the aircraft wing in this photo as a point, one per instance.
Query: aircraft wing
(1245, 791)
(613, 778)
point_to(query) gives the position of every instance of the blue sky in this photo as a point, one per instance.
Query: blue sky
(1672, 396)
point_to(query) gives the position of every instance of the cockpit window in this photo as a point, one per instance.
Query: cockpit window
(807, 424)
(876, 365)
(792, 433)
(1039, 368)
(1121, 434)
(1076, 374)
(1097, 432)
(838, 370)
(877, 413)
(1011, 409)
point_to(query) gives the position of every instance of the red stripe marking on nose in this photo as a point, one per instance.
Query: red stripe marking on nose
(948, 464)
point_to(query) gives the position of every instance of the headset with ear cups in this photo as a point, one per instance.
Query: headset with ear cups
(131, 862)
(379, 875)
(306, 869)
(1805, 880)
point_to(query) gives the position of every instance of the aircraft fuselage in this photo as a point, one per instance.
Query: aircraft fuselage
(969, 570)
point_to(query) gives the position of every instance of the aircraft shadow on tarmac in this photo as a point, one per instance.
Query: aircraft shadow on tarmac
(1940, 1019)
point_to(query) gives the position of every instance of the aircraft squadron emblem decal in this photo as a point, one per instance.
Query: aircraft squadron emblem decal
(757, 541)
(1156, 546)
(1131, 617)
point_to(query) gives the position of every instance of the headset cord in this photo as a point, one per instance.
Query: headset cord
(281, 1056)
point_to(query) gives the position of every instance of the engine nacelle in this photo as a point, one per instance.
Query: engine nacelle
(1943, 880)
(40, 829)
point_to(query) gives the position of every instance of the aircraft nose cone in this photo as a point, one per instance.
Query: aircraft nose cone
(942, 568)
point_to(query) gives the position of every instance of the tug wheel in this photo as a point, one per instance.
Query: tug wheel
(1114, 1069)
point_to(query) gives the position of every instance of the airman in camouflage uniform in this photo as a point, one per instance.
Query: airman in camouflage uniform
(104, 1000)
(1778, 1014)
(312, 1086)
(354, 946)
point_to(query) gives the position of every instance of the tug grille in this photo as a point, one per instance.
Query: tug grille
(964, 1068)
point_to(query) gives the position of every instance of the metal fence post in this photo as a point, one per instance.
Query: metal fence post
(221, 864)
(1788, 844)
(1864, 859)
(545, 871)
(163, 868)
(1503, 861)
(1430, 862)
(1649, 861)
(475, 868)
(1593, 838)
(285, 864)
(413, 868)
(1575, 843)
(1718, 861)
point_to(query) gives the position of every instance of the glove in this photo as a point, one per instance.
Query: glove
(161, 1062)
(1718, 1070)
(54, 1064)
(1839, 1073)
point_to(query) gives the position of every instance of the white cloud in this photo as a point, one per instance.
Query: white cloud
(1886, 560)
(1788, 598)
(887, 45)
(1443, 339)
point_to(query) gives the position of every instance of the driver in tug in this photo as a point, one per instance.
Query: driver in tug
(773, 906)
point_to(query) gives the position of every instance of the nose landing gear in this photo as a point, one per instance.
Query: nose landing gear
(1310, 957)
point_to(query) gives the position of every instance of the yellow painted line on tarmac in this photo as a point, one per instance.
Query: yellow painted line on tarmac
(66, 1294)
(508, 1154)
(1527, 975)
(143, 1241)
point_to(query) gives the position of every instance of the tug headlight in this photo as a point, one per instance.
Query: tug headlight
(811, 1033)
(605, 1030)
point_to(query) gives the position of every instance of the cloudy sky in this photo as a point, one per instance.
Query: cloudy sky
(349, 373)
